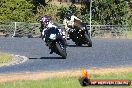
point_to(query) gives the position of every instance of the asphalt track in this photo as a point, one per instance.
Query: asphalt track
(104, 53)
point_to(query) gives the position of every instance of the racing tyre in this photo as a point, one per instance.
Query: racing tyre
(88, 40)
(61, 49)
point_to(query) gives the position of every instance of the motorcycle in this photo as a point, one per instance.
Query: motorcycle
(55, 41)
(80, 35)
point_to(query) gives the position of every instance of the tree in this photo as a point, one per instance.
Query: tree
(15, 10)
(106, 12)
(37, 3)
(117, 1)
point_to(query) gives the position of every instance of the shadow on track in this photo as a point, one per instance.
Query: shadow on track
(48, 58)
(76, 46)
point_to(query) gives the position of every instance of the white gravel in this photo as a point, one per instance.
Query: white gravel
(17, 59)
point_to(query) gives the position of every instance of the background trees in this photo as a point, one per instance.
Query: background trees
(109, 12)
(15, 10)
(104, 12)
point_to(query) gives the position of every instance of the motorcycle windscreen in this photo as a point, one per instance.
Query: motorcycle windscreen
(52, 36)
(53, 33)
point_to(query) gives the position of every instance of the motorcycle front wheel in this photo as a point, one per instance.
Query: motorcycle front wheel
(61, 49)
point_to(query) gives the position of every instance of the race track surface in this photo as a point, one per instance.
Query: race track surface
(104, 53)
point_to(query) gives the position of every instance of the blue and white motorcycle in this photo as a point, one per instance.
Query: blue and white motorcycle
(55, 41)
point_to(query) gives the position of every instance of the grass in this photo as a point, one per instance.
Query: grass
(5, 57)
(66, 82)
(129, 34)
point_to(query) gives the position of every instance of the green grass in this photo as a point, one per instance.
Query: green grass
(129, 34)
(5, 57)
(66, 82)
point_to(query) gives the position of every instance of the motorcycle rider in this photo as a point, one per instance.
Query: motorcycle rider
(42, 20)
(46, 27)
(70, 22)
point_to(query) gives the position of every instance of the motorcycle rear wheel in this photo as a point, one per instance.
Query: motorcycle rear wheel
(88, 40)
(78, 44)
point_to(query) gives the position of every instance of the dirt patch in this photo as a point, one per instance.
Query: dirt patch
(66, 73)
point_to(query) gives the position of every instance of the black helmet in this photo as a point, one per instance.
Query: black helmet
(68, 13)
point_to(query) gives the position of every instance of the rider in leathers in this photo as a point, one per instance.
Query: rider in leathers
(69, 22)
(46, 27)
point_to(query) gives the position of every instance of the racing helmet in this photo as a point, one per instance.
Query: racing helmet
(45, 20)
(68, 14)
